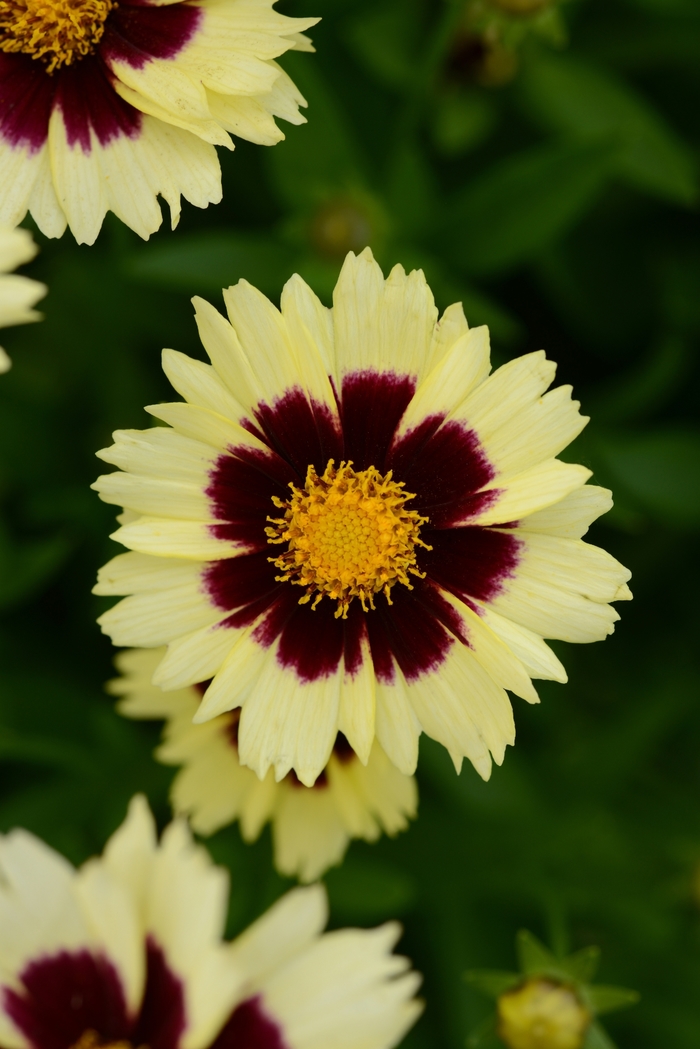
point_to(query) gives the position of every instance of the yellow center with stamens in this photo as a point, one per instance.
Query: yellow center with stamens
(56, 31)
(349, 535)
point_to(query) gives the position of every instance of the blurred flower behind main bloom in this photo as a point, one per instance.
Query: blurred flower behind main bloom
(311, 826)
(107, 105)
(18, 294)
(128, 952)
(353, 527)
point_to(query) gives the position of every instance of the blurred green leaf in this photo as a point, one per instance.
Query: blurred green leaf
(661, 470)
(533, 957)
(583, 965)
(516, 208)
(597, 1038)
(492, 981)
(386, 38)
(577, 99)
(462, 120)
(26, 567)
(608, 999)
(208, 262)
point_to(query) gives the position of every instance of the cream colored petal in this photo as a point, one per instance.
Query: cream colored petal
(43, 203)
(357, 710)
(80, 188)
(536, 656)
(39, 912)
(310, 357)
(287, 723)
(379, 323)
(156, 496)
(206, 426)
(292, 923)
(164, 537)
(285, 98)
(197, 656)
(17, 296)
(308, 834)
(156, 617)
(536, 433)
(265, 339)
(398, 729)
(16, 248)
(161, 450)
(572, 516)
(20, 167)
(134, 573)
(237, 675)
(344, 990)
(466, 364)
(534, 489)
(245, 117)
(115, 925)
(130, 852)
(390, 796)
(301, 307)
(199, 384)
(451, 327)
(179, 164)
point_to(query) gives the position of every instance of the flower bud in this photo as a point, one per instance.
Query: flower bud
(542, 1014)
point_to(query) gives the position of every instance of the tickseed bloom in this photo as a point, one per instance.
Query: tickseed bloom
(551, 1003)
(353, 527)
(311, 826)
(18, 294)
(105, 104)
(126, 952)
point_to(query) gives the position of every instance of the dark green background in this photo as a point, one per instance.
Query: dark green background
(562, 209)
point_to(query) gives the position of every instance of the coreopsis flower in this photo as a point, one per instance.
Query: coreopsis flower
(105, 105)
(311, 826)
(18, 294)
(127, 952)
(551, 1003)
(352, 526)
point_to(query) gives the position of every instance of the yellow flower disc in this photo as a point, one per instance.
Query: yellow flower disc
(349, 535)
(541, 1014)
(56, 31)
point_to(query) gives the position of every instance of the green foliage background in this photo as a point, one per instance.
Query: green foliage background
(562, 208)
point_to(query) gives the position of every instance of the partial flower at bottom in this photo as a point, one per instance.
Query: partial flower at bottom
(106, 105)
(311, 826)
(351, 526)
(18, 294)
(126, 952)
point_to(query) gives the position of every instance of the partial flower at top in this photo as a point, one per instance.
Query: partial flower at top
(104, 105)
(127, 953)
(353, 527)
(17, 294)
(311, 826)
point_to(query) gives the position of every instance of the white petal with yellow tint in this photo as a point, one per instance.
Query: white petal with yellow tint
(115, 925)
(134, 573)
(199, 384)
(289, 927)
(130, 852)
(155, 617)
(205, 426)
(302, 308)
(16, 248)
(80, 189)
(197, 656)
(535, 655)
(308, 833)
(186, 913)
(461, 369)
(265, 340)
(285, 98)
(572, 516)
(525, 493)
(381, 325)
(18, 295)
(43, 203)
(398, 729)
(286, 722)
(155, 496)
(39, 913)
(344, 990)
(538, 432)
(357, 709)
(246, 117)
(311, 359)
(165, 537)
(20, 167)
(161, 451)
(236, 677)
(451, 327)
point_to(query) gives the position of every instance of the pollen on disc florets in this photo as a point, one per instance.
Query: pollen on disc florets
(349, 535)
(56, 31)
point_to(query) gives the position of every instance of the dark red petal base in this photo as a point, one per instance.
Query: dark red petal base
(84, 91)
(442, 463)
